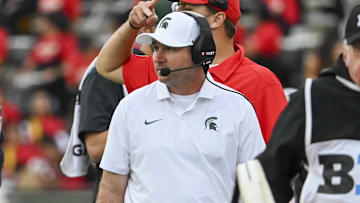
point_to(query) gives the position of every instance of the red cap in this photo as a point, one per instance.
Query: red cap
(232, 12)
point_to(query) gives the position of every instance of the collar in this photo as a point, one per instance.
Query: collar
(348, 83)
(227, 67)
(341, 74)
(162, 91)
(338, 69)
(207, 90)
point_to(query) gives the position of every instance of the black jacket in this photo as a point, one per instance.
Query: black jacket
(335, 116)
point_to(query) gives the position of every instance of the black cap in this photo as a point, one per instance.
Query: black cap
(352, 29)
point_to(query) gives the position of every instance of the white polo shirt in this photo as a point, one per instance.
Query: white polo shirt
(181, 156)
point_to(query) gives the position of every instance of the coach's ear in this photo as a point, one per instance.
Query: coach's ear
(345, 53)
(216, 20)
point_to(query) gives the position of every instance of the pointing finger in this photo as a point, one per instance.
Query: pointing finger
(152, 3)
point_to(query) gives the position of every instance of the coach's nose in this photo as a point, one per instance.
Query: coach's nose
(159, 56)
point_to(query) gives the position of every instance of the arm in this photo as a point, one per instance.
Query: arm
(251, 141)
(97, 108)
(118, 48)
(268, 178)
(112, 187)
(286, 149)
(116, 159)
(95, 145)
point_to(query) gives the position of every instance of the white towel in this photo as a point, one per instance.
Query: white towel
(76, 161)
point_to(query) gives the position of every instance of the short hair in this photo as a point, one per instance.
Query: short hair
(230, 28)
(356, 45)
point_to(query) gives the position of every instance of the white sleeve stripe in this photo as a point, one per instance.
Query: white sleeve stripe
(308, 111)
(348, 83)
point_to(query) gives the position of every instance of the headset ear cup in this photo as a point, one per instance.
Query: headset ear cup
(204, 49)
(196, 51)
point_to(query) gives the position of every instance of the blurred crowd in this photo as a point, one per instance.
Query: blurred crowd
(46, 45)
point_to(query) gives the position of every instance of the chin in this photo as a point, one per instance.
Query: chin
(163, 79)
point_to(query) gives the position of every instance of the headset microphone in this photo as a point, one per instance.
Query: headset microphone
(167, 71)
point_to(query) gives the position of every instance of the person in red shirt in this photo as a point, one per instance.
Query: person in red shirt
(229, 67)
(3, 45)
(51, 58)
(70, 8)
(10, 111)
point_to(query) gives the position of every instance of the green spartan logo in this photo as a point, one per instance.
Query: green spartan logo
(164, 23)
(211, 124)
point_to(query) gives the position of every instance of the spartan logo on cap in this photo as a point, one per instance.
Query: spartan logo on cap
(210, 123)
(358, 23)
(164, 23)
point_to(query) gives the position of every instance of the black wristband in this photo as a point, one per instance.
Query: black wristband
(132, 26)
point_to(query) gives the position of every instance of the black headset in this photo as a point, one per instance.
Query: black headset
(203, 50)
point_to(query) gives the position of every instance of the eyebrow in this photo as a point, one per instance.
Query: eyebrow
(185, 5)
(182, 4)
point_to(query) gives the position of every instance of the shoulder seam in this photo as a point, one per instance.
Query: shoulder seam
(232, 91)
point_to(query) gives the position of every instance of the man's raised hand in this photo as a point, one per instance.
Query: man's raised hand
(143, 14)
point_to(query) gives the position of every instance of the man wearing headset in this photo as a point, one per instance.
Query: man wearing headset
(179, 138)
(230, 66)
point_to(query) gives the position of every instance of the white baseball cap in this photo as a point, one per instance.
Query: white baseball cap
(176, 29)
